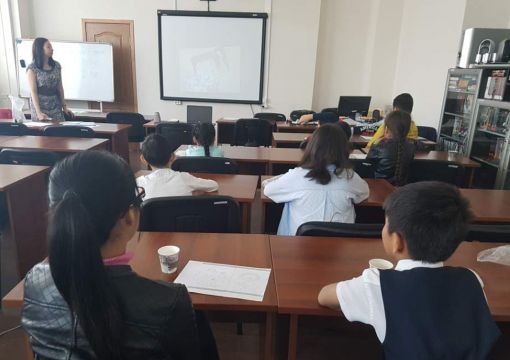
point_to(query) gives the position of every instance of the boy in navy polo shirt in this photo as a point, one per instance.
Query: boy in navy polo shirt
(421, 309)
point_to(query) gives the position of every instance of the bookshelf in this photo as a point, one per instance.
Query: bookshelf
(489, 143)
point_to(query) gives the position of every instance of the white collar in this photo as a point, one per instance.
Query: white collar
(409, 264)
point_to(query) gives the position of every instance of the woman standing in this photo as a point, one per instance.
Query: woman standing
(45, 81)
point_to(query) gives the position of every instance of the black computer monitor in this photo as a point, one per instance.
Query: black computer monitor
(199, 114)
(350, 105)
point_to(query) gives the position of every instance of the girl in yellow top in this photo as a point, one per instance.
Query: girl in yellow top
(403, 102)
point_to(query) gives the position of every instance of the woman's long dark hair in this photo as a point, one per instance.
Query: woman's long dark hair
(328, 146)
(38, 53)
(398, 123)
(89, 192)
(205, 134)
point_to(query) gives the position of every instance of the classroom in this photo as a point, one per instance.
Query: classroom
(256, 179)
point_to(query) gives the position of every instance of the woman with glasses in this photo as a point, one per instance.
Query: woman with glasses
(85, 302)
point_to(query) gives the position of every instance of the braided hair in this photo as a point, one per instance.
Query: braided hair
(205, 134)
(398, 123)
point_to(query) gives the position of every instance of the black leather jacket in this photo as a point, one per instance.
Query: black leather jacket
(159, 318)
(384, 155)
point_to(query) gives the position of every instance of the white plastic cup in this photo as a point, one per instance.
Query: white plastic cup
(380, 264)
(168, 258)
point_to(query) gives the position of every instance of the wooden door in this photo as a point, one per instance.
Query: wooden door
(120, 33)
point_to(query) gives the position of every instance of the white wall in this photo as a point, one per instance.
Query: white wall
(428, 46)
(290, 77)
(358, 44)
(487, 14)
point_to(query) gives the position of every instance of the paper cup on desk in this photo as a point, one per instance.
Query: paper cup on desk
(168, 258)
(380, 264)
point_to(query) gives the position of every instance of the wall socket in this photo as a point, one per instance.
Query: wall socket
(178, 102)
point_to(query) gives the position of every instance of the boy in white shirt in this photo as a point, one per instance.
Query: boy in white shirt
(164, 181)
(421, 309)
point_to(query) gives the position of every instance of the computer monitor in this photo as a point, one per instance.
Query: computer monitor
(350, 105)
(199, 114)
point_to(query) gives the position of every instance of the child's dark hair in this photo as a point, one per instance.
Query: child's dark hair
(205, 134)
(88, 193)
(398, 123)
(326, 117)
(404, 102)
(328, 146)
(346, 129)
(156, 150)
(432, 217)
(38, 53)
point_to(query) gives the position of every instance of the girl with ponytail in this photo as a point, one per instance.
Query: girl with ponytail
(204, 135)
(393, 153)
(85, 302)
(323, 187)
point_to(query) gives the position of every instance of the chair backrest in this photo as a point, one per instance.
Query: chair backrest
(334, 229)
(489, 233)
(136, 133)
(436, 170)
(364, 168)
(214, 214)
(296, 114)
(13, 129)
(5, 113)
(333, 110)
(270, 116)
(205, 164)
(253, 132)
(69, 131)
(25, 157)
(176, 134)
(427, 132)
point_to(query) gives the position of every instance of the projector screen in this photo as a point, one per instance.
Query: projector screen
(211, 56)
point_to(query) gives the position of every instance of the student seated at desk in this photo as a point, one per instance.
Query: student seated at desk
(393, 153)
(203, 136)
(86, 302)
(329, 118)
(164, 181)
(421, 309)
(402, 102)
(322, 188)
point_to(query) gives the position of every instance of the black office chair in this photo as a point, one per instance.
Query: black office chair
(270, 116)
(364, 168)
(212, 214)
(334, 229)
(26, 157)
(253, 132)
(296, 114)
(14, 129)
(136, 133)
(436, 170)
(205, 164)
(489, 233)
(427, 132)
(177, 134)
(333, 110)
(69, 131)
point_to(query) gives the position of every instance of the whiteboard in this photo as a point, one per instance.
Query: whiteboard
(211, 56)
(87, 69)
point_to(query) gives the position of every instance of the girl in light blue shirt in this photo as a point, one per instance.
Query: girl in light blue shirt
(203, 136)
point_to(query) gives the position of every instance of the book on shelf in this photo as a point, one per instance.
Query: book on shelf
(496, 85)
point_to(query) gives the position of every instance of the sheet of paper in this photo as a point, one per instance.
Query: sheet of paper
(79, 123)
(230, 118)
(36, 123)
(358, 156)
(232, 281)
(368, 138)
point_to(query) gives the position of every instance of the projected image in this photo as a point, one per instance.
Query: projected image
(206, 70)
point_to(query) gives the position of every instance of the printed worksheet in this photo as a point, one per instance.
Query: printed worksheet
(233, 281)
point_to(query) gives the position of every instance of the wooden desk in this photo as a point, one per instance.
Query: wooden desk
(292, 140)
(23, 193)
(117, 134)
(6, 138)
(240, 187)
(290, 127)
(236, 249)
(317, 261)
(368, 211)
(489, 205)
(62, 145)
